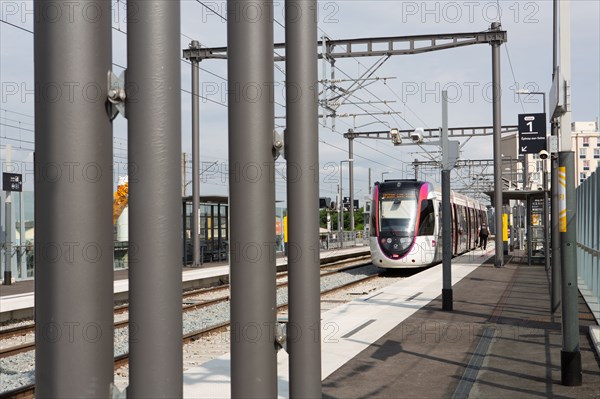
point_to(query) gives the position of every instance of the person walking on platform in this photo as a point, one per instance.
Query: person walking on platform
(483, 236)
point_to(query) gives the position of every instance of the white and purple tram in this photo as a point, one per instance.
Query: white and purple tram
(406, 224)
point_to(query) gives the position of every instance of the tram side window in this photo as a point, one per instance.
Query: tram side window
(462, 222)
(427, 219)
(373, 221)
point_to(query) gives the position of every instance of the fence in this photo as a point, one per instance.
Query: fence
(346, 240)
(588, 241)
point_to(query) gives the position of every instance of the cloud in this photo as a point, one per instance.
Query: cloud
(411, 95)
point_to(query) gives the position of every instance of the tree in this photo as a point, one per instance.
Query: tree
(358, 219)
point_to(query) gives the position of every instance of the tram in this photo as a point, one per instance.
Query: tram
(406, 224)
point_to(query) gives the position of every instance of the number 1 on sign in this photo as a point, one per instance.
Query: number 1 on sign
(530, 124)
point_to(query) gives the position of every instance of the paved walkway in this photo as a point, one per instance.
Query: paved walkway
(500, 341)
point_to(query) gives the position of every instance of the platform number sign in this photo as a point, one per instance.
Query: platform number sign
(12, 182)
(532, 133)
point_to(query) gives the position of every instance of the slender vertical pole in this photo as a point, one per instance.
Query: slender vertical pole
(154, 138)
(8, 263)
(447, 300)
(496, 96)
(370, 188)
(416, 163)
(342, 201)
(73, 201)
(332, 75)
(339, 208)
(570, 355)
(251, 199)
(555, 236)
(324, 53)
(22, 239)
(525, 172)
(8, 228)
(351, 180)
(195, 156)
(302, 139)
(183, 174)
(528, 227)
(546, 219)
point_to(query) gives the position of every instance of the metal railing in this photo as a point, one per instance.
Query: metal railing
(588, 241)
(347, 239)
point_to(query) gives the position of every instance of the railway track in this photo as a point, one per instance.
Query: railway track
(189, 305)
(328, 267)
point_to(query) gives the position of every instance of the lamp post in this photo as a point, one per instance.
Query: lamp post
(525, 91)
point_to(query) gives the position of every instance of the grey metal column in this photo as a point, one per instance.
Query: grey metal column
(570, 355)
(154, 145)
(351, 179)
(195, 157)
(447, 300)
(251, 199)
(304, 343)
(499, 244)
(73, 201)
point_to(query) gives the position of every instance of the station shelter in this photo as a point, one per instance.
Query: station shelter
(523, 222)
(213, 229)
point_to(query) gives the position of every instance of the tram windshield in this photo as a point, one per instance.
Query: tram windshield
(398, 213)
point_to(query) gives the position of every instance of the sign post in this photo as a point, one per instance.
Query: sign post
(532, 133)
(12, 182)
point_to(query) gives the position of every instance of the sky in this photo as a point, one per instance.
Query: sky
(407, 94)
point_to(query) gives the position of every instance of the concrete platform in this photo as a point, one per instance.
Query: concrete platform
(499, 341)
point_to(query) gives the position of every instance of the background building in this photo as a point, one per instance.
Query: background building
(586, 144)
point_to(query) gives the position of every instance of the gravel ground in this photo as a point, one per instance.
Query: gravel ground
(20, 368)
(6, 325)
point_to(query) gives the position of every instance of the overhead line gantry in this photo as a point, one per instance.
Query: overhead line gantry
(374, 47)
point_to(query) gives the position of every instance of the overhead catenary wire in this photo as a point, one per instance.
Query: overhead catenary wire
(119, 29)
